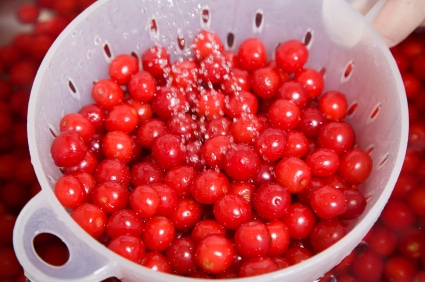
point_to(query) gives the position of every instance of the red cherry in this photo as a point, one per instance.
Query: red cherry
(78, 123)
(231, 211)
(156, 60)
(291, 55)
(326, 233)
(209, 186)
(91, 218)
(145, 201)
(159, 233)
(214, 254)
(355, 166)
(284, 115)
(293, 173)
(241, 162)
(271, 201)
(252, 239)
(122, 68)
(68, 149)
(257, 266)
(69, 191)
(311, 80)
(252, 54)
(181, 255)
(168, 151)
(142, 86)
(107, 93)
(130, 247)
(110, 197)
(299, 220)
(124, 222)
(265, 82)
(206, 43)
(333, 104)
(328, 202)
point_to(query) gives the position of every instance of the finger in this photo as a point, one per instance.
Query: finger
(398, 18)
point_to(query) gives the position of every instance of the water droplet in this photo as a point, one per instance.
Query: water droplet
(258, 18)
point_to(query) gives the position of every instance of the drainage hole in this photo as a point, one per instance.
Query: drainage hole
(51, 249)
(181, 42)
(384, 160)
(322, 71)
(230, 39)
(107, 50)
(52, 131)
(375, 112)
(205, 15)
(352, 109)
(134, 54)
(348, 71)
(258, 19)
(308, 38)
(71, 87)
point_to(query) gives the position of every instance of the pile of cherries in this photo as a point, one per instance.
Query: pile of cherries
(216, 165)
(174, 148)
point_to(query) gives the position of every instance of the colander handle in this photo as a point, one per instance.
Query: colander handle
(85, 263)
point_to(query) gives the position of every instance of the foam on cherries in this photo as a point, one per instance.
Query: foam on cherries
(220, 163)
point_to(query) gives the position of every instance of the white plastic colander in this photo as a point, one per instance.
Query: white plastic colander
(342, 45)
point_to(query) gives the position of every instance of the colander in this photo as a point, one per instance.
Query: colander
(343, 46)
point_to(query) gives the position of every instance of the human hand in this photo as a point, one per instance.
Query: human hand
(396, 19)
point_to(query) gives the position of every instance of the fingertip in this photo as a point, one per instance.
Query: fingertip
(398, 18)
